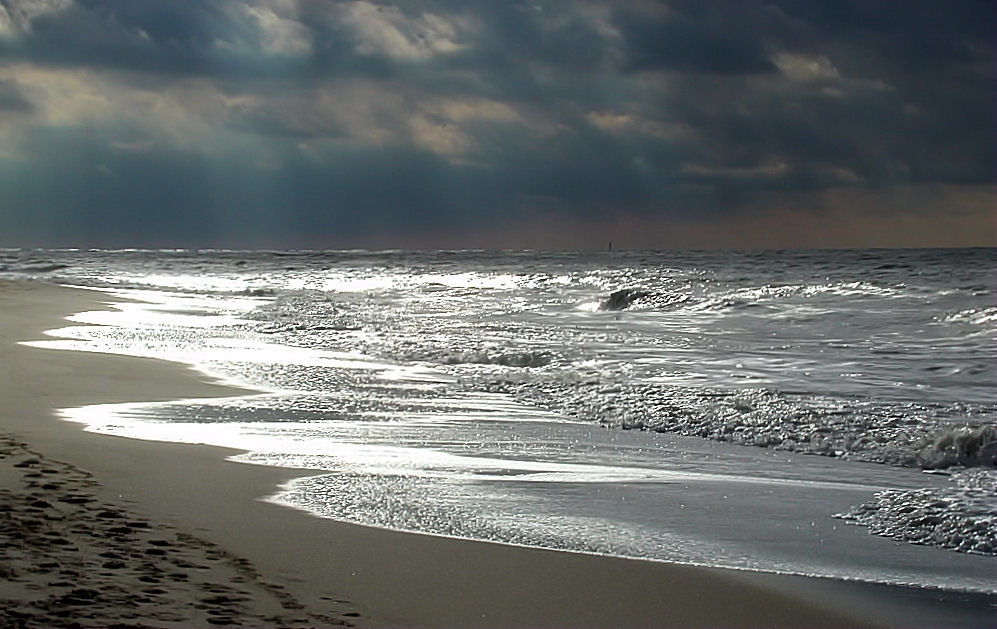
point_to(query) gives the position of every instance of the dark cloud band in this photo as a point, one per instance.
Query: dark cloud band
(178, 117)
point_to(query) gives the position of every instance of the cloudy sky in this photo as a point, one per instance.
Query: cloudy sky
(438, 123)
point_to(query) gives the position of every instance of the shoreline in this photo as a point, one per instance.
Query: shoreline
(389, 578)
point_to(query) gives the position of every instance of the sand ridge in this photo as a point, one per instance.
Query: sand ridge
(68, 559)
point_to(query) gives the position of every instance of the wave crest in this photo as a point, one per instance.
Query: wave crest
(487, 356)
(623, 298)
(929, 436)
(966, 446)
(974, 316)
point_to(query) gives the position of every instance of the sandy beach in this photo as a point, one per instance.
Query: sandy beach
(103, 531)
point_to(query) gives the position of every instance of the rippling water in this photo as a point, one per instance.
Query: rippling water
(709, 408)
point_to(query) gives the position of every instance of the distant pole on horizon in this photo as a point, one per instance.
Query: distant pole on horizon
(610, 246)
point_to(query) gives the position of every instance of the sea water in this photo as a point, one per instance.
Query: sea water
(769, 411)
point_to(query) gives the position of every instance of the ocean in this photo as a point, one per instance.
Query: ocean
(824, 413)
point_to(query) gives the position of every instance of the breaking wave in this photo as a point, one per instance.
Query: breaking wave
(487, 356)
(623, 298)
(908, 434)
(767, 295)
(974, 316)
(967, 446)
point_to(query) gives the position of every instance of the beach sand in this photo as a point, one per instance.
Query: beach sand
(100, 531)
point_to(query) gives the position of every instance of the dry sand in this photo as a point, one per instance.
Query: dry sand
(101, 531)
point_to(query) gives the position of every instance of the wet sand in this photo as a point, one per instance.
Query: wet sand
(101, 531)
(70, 557)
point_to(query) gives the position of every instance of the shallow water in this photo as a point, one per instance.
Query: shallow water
(483, 395)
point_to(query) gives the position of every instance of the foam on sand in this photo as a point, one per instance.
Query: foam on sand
(963, 517)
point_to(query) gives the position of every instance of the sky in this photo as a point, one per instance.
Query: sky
(498, 124)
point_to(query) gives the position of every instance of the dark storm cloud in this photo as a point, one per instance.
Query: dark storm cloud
(12, 99)
(205, 201)
(177, 37)
(908, 34)
(906, 97)
(721, 37)
(180, 118)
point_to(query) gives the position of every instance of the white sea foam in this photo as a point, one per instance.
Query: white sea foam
(974, 316)
(494, 382)
(962, 518)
